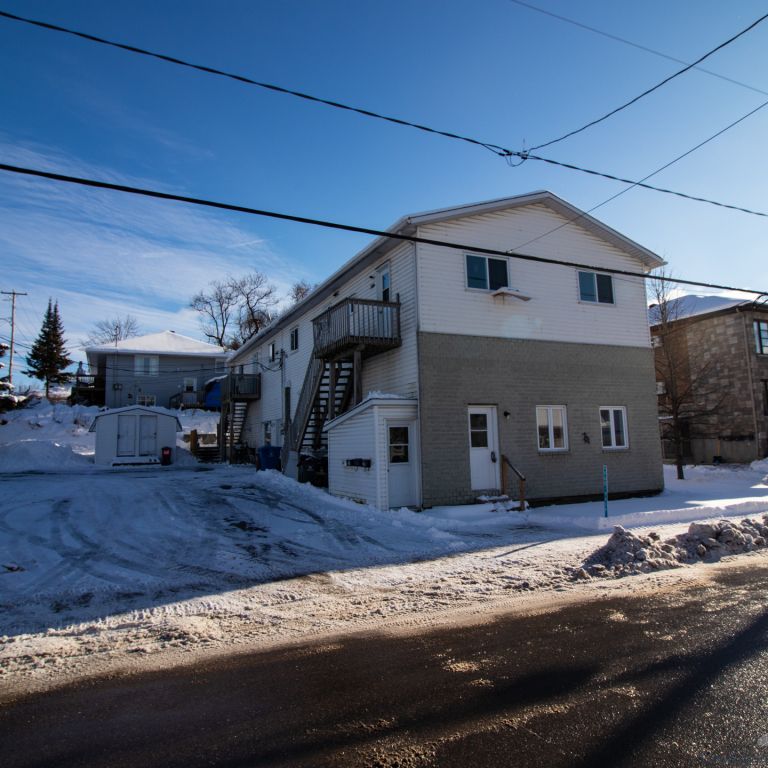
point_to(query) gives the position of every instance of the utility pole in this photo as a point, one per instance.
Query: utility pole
(13, 295)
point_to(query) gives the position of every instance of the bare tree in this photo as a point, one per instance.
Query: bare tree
(299, 291)
(234, 310)
(112, 330)
(689, 398)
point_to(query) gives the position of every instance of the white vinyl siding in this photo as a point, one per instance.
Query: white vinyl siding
(554, 312)
(393, 372)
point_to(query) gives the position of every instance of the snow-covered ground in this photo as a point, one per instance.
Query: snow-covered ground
(102, 566)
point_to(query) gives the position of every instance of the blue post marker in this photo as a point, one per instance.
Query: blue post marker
(605, 489)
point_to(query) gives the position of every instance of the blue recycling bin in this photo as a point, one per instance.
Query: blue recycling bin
(269, 457)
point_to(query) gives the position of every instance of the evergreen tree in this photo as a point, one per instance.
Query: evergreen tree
(48, 359)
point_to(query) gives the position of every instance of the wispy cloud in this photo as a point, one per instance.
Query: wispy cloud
(102, 253)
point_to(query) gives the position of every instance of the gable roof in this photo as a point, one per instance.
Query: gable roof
(163, 343)
(137, 409)
(408, 225)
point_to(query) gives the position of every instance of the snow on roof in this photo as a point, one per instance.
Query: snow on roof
(132, 408)
(692, 306)
(165, 342)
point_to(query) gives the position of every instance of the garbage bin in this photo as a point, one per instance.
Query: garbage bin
(165, 456)
(269, 457)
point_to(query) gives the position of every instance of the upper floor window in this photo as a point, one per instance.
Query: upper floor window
(487, 273)
(146, 365)
(294, 338)
(552, 427)
(272, 352)
(761, 337)
(384, 283)
(613, 425)
(595, 287)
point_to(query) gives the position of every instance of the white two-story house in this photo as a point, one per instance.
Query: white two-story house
(423, 373)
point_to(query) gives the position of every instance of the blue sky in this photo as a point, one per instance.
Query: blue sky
(492, 70)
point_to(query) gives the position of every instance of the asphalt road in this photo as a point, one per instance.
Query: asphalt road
(676, 679)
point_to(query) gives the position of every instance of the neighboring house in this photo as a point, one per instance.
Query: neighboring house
(419, 370)
(720, 351)
(164, 369)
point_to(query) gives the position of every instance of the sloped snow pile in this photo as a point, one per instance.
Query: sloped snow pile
(627, 553)
(41, 456)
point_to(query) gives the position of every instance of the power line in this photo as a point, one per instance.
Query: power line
(639, 47)
(653, 88)
(495, 148)
(93, 183)
(645, 178)
(249, 81)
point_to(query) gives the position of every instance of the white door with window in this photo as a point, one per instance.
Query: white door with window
(401, 464)
(126, 435)
(147, 435)
(484, 458)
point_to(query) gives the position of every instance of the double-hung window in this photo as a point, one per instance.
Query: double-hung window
(552, 427)
(294, 339)
(146, 365)
(486, 273)
(595, 287)
(613, 426)
(761, 337)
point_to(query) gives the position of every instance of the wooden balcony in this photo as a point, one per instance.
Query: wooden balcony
(362, 325)
(241, 386)
(87, 388)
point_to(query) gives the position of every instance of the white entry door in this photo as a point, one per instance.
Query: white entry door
(126, 435)
(484, 459)
(147, 435)
(401, 464)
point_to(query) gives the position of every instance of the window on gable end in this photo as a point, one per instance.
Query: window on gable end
(595, 287)
(486, 273)
(294, 338)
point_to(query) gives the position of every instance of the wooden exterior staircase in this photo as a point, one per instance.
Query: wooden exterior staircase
(237, 391)
(344, 336)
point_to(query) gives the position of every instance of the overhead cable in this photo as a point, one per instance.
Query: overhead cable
(93, 183)
(495, 148)
(639, 47)
(653, 88)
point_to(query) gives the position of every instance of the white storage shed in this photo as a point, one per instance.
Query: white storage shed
(373, 452)
(134, 435)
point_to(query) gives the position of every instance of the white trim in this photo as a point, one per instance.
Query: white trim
(549, 408)
(610, 409)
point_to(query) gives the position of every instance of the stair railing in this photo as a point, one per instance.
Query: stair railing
(298, 425)
(505, 462)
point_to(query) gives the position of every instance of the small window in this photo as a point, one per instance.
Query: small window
(478, 430)
(267, 433)
(661, 388)
(613, 426)
(761, 337)
(595, 287)
(190, 385)
(552, 427)
(272, 351)
(384, 281)
(146, 365)
(294, 339)
(486, 273)
(398, 445)
(148, 400)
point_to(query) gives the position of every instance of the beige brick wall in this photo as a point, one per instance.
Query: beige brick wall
(516, 376)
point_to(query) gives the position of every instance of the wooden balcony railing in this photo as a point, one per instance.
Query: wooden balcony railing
(241, 386)
(364, 324)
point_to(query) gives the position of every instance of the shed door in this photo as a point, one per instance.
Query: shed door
(126, 435)
(401, 464)
(483, 448)
(147, 435)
